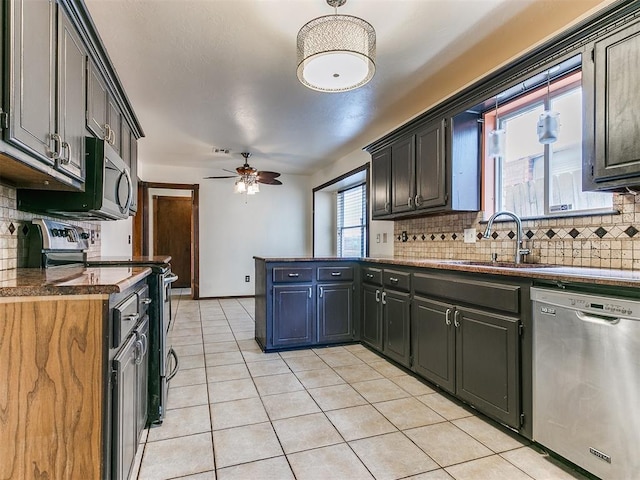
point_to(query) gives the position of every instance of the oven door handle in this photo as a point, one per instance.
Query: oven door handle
(172, 277)
(173, 353)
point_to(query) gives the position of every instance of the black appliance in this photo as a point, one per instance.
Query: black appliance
(163, 360)
(107, 195)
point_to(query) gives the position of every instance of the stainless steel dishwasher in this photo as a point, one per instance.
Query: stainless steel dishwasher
(586, 380)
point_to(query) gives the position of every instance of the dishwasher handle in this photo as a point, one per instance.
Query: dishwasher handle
(599, 319)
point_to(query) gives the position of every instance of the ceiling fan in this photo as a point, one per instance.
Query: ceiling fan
(248, 177)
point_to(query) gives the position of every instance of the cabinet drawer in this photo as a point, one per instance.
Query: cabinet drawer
(475, 292)
(335, 273)
(292, 274)
(144, 300)
(372, 275)
(125, 317)
(396, 280)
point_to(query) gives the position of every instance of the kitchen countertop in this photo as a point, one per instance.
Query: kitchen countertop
(138, 260)
(559, 273)
(72, 280)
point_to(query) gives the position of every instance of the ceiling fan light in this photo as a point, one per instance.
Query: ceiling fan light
(253, 189)
(239, 186)
(336, 53)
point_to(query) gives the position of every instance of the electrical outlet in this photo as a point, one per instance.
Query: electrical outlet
(404, 236)
(247, 278)
(378, 238)
(129, 239)
(470, 235)
(92, 237)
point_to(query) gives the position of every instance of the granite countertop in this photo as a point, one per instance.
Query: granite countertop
(559, 273)
(138, 260)
(71, 280)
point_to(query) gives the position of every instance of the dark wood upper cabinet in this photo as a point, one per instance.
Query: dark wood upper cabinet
(403, 159)
(381, 183)
(611, 104)
(430, 168)
(434, 168)
(96, 103)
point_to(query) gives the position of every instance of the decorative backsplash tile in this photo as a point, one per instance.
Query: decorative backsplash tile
(591, 241)
(14, 228)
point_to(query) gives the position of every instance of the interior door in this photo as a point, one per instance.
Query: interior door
(172, 235)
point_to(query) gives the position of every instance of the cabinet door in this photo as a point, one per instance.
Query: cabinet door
(72, 68)
(125, 441)
(142, 375)
(96, 103)
(32, 83)
(396, 326)
(615, 86)
(430, 167)
(381, 183)
(488, 363)
(403, 175)
(293, 317)
(371, 316)
(335, 313)
(434, 342)
(114, 120)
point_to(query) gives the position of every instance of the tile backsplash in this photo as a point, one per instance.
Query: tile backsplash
(609, 241)
(14, 228)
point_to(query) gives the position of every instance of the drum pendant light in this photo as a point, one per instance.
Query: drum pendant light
(548, 121)
(336, 53)
(497, 138)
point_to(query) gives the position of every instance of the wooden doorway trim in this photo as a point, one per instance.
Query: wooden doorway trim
(143, 205)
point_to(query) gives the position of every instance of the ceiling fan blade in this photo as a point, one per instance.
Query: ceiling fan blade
(225, 176)
(230, 171)
(266, 174)
(269, 181)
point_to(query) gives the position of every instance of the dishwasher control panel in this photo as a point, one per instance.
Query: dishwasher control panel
(595, 304)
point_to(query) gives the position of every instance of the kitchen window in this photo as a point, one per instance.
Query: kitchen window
(533, 179)
(352, 221)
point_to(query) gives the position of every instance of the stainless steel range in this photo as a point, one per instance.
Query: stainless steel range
(57, 244)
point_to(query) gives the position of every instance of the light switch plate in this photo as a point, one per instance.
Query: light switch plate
(469, 235)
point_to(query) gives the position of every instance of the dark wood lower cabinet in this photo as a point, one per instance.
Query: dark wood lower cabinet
(293, 307)
(434, 342)
(371, 332)
(335, 312)
(471, 353)
(396, 313)
(488, 363)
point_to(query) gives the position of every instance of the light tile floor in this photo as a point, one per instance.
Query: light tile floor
(328, 413)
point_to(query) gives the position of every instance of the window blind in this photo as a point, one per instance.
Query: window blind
(352, 221)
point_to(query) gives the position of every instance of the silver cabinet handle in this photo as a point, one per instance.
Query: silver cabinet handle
(384, 298)
(321, 291)
(57, 151)
(393, 279)
(378, 296)
(456, 318)
(107, 133)
(409, 202)
(146, 301)
(418, 200)
(132, 317)
(310, 292)
(139, 352)
(294, 275)
(369, 275)
(447, 316)
(65, 160)
(386, 207)
(336, 274)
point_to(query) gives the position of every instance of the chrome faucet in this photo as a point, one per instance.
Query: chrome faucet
(520, 252)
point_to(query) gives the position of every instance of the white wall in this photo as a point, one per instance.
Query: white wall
(116, 238)
(233, 227)
(325, 241)
(344, 165)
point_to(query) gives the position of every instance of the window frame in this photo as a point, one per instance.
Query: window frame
(492, 188)
(363, 226)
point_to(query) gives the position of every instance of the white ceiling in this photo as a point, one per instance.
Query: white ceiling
(222, 73)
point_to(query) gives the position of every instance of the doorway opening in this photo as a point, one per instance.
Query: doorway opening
(169, 225)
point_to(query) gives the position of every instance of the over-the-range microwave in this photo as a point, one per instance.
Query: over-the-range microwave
(107, 195)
